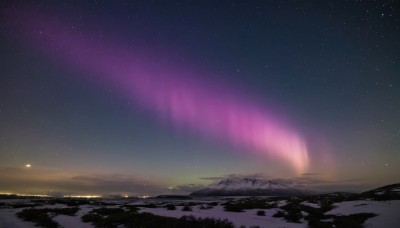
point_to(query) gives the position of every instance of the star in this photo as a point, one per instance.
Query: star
(28, 165)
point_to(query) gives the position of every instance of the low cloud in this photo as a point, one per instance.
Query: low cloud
(311, 174)
(236, 176)
(187, 188)
(55, 182)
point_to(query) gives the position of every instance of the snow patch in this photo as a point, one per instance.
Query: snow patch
(8, 219)
(387, 211)
(314, 205)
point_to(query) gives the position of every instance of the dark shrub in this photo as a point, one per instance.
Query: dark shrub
(147, 220)
(353, 220)
(261, 213)
(132, 208)
(279, 214)
(89, 217)
(41, 216)
(250, 203)
(170, 207)
(71, 211)
(233, 207)
(319, 224)
(293, 212)
(186, 208)
(38, 216)
(213, 204)
(150, 205)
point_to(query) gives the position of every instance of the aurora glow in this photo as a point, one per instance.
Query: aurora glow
(172, 91)
(146, 98)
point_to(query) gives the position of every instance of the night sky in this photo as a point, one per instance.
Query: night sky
(162, 97)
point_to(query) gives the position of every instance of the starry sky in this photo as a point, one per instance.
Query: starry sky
(162, 97)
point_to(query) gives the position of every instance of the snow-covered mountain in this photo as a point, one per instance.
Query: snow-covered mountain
(250, 187)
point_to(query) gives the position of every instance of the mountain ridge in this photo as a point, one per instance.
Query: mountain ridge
(251, 187)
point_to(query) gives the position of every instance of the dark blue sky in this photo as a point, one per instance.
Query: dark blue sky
(327, 71)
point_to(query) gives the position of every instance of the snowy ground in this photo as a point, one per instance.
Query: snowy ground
(247, 218)
(388, 213)
(8, 218)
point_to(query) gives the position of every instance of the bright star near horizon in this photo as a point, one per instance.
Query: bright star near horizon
(28, 165)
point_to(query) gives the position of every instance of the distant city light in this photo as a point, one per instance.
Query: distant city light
(143, 197)
(28, 195)
(82, 196)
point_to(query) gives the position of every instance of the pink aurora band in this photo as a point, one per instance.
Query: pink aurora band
(169, 90)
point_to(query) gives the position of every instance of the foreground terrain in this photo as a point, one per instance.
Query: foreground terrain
(375, 208)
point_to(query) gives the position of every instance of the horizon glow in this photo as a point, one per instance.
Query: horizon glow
(169, 90)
